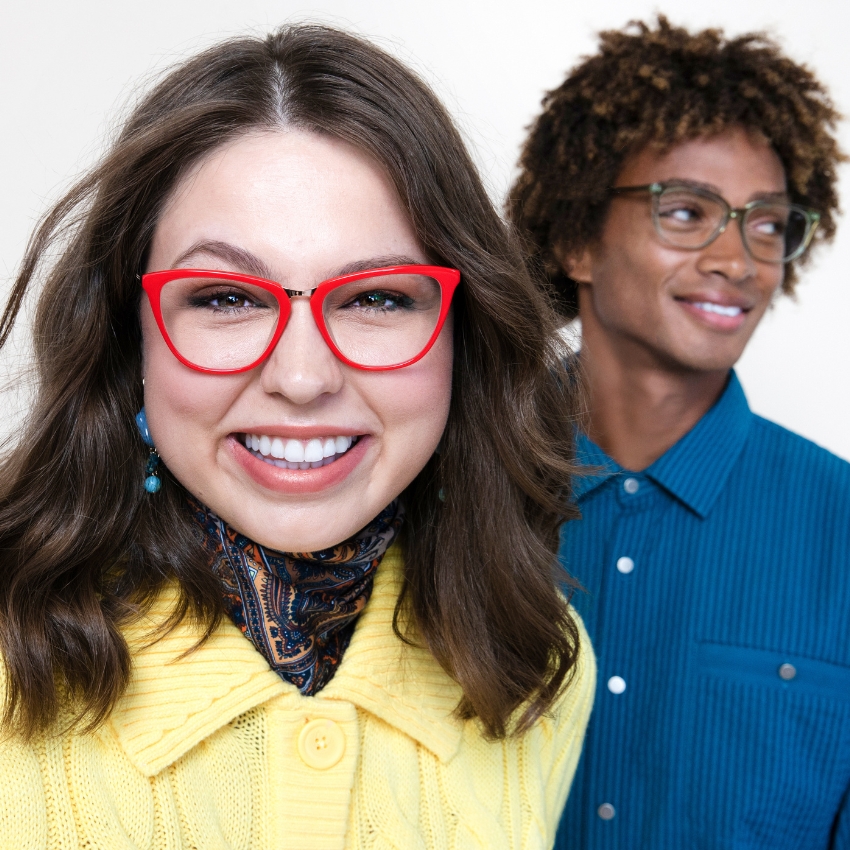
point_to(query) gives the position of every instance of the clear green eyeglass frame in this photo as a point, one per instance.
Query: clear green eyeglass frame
(796, 240)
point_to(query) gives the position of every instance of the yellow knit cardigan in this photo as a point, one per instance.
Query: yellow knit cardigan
(214, 751)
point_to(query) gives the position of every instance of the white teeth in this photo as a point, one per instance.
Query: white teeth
(298, 454)
(294, 451)
(313, 451)
(718, 308)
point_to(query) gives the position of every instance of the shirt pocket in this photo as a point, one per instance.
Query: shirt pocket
(771, 748)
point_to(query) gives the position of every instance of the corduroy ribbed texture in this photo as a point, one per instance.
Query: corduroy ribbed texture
(739, 540)
(203, 752)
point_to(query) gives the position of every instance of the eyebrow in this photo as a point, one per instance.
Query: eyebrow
(239, 258)
(376, 263)
(710, 187)
(249, 263)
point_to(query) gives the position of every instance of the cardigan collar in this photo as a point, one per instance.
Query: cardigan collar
(178, 697)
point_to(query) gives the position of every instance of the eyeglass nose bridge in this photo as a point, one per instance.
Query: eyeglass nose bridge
(740, 216)
(730, 214)
(297, 293)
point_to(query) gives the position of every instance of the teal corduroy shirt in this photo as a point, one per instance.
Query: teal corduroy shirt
(718, 602)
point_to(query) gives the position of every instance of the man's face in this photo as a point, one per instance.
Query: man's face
(673, 308)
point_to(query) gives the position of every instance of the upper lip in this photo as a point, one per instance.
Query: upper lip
(722, 299)
(301, 432)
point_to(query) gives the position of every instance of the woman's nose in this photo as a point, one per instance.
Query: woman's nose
(302, 367)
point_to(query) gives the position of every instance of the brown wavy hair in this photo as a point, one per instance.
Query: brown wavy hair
(662, 86)
(85, 549)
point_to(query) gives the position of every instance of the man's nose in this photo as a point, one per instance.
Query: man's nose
(727, 255)
(302, 367)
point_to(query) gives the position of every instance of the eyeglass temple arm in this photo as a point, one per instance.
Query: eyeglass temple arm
(653, 188)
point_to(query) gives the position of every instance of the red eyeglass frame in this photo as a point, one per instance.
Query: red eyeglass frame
(447, 278)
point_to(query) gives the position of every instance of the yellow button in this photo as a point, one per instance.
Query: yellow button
(321, 744)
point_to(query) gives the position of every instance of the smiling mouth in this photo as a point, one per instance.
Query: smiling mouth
(297, 454)
(729, 311)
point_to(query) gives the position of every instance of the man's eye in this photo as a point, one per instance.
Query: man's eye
(684, 214)
(768, 227)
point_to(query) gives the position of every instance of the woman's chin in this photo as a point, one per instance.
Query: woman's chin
(314, 534)
(326, 509)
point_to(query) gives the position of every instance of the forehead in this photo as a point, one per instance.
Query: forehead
(737, 163)
(297, 200)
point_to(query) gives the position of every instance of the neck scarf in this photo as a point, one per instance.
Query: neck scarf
(298, 609)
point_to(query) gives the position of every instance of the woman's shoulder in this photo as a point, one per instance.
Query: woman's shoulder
(568, 716)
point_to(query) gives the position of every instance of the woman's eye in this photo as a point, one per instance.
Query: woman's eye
(230, 300)
(380, 300)
(227, 300)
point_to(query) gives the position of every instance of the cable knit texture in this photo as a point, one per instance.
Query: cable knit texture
(215, 750)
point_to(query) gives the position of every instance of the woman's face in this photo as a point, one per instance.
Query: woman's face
(296, 208)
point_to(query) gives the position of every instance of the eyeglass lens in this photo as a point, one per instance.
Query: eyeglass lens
(380, 321)
(772, 232)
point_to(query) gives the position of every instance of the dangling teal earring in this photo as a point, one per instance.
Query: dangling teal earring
(152, 482)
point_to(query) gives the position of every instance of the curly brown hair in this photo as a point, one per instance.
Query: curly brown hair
(663, 86)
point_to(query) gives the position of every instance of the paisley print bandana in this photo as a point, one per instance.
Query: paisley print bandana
(297, 608)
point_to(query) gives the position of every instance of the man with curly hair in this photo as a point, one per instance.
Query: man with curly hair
(670, 189)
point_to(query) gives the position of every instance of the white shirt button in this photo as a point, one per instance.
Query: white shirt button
(606, 811)
(631, 486)
(787, 672)
(625, 564)
(321, 744)
(616, 684)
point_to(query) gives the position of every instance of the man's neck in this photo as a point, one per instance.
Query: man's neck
(638, 410)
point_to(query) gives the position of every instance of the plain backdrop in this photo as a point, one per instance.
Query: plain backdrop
(69, 70)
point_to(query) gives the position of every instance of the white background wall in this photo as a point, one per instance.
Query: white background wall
(67, 69)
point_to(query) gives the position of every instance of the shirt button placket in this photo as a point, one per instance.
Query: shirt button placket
(625, 564)
(606, 811)
(631, 485)
(617, 684)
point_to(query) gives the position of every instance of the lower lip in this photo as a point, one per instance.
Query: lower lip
(298, 480)
(714, 320)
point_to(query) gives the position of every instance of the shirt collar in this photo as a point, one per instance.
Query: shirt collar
(178, 697)
(696, 468)
(596, 466)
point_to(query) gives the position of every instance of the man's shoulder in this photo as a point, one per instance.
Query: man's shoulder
(784, 450)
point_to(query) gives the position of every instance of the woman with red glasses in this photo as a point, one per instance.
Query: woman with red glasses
(278, 540)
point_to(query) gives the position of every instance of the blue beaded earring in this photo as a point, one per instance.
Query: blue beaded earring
(152, 481)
